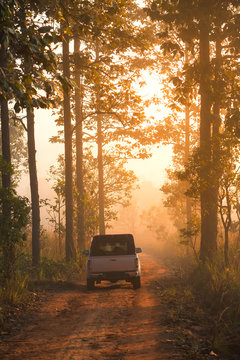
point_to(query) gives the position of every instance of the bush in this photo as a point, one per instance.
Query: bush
(14, 217)
(50, 269)
(14, 290)
(216, 289)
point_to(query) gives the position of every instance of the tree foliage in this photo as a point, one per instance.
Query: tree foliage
(208, 28)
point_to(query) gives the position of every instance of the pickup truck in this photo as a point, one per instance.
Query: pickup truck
(112, 258)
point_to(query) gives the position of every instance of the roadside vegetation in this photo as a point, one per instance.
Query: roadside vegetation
(202, 191)
(202, 308)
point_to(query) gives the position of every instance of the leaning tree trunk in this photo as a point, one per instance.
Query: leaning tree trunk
(34, 187)
(69, 244)
(79, 149)
(208, 244)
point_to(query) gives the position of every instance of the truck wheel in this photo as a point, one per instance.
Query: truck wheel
(137, 283)
(90, 284)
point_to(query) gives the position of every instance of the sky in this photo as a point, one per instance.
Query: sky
(153, 169)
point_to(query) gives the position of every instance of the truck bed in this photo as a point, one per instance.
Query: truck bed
(113, 263)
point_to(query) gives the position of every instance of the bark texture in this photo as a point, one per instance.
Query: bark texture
(79, 149)
(186, 154)
(8, 248)
(69, 243)
(100, 176)
(208, 245)
(6, 152)
(216, 137)
(101, 199)
(34, 187)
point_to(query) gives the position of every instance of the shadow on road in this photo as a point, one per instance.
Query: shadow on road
(67, 286)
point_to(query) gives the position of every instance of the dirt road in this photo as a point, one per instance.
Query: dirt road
(111, 322)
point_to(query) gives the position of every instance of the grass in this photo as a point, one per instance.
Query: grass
(13, 291)
(205, 300)
(19, 292)
(14, 299)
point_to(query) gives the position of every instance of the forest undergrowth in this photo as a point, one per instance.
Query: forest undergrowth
(204, 308)
(23, 291)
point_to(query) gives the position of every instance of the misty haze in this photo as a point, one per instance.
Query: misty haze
(119, 190)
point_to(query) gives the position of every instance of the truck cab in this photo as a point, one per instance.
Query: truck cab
(112, 258)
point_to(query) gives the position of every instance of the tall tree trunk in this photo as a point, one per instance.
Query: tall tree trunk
(79, 149)
(226, 245)
(100, 176)
(8, 248)
(215, 135)
(208, 244)
(32, 158)
(69, 243)
(34, 188)
(187, 152)
(6, 152)
(101, 201)
(59, 226)
(225, 212)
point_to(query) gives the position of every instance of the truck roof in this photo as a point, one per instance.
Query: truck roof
(113, 236)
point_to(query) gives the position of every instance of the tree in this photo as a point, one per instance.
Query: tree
(18, 146)
(13, 209)
(79, 144)
(8, 249)
(36, 57)
(109, 109)
(12, 228)
(187, 152)
(228, 184)
(55, 210)
(208, 226)
(198, 24)
(119, 184)
(68, 153)
(225, 209)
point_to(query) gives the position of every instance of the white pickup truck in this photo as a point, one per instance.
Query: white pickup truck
(113, 258)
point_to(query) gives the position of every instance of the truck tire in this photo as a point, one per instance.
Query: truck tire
(137, 283)
(90, 284)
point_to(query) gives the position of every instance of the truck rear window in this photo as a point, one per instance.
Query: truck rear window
(112, 245)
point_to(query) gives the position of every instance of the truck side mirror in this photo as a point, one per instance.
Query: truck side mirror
(85, 252)
(138, 250)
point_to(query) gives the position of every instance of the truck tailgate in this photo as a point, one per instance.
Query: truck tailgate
(113, 263)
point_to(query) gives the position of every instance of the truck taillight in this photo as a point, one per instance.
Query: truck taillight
(136, 262)
(89, 264)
